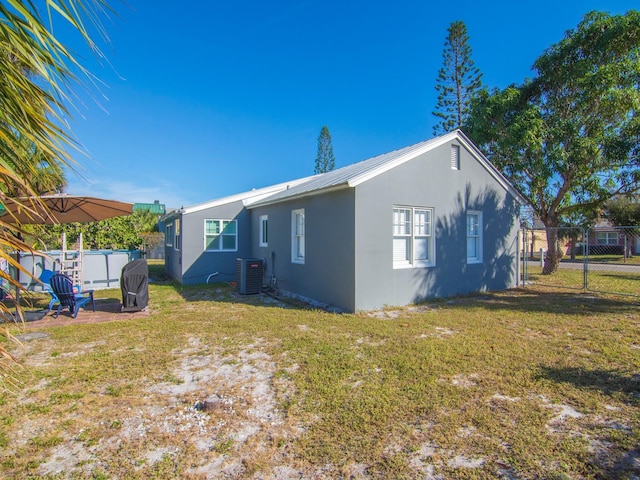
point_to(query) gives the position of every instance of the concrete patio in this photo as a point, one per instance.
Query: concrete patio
(106, 311)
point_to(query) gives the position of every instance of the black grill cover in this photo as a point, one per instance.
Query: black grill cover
(134, 284)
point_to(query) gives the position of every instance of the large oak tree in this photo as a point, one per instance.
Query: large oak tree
(569, 139)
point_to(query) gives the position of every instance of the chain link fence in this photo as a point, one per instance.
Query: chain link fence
(602, 259)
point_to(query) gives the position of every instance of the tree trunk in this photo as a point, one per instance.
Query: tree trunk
(628, 246)
(554, 254)
(533, 243)
(573, 240)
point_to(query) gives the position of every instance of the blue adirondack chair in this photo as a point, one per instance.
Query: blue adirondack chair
(68, 297)
(45, 278)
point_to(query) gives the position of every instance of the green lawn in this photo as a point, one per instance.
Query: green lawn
(524, 384)
(614, 259)
(614, 279)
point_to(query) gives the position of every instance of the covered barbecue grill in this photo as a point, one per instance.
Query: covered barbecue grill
(134, 284)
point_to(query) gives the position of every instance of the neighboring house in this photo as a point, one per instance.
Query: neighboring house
(606, 239)
(433, 219)
(537, 238)
(156, 208)
(603, 238)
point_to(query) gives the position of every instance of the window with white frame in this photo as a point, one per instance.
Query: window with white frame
(220, 235)
(474, 237)
(176, 237)
(607, 238)
(168, 235)
(455, 157)
(264, 231)
(297, 236)
(413, 239)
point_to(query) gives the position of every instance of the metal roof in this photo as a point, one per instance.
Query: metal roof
(247, 198)
(349, 176)
(357, 173)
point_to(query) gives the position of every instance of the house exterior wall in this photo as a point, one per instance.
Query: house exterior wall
(328, 272)
(196, 264)
(429, 181)
(349, 234)
(172, 258)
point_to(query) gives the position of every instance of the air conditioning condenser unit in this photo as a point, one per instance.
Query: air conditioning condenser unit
(249, 275)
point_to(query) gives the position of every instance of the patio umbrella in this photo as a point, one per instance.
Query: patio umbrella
(63, 208)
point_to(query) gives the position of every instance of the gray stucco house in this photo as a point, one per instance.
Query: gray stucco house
(433, 219)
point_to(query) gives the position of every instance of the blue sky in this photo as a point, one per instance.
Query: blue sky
(204, 99)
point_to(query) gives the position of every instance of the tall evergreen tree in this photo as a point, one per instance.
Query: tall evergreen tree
(325, 162)
(457, 81)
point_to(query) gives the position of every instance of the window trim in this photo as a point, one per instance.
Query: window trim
(176, 234)
(263, 231)
(609, 236)
(298, 239)
(168, 235)
(220, 235)
(412, 237)
(478, 237)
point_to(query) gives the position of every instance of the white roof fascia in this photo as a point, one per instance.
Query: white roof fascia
(247, 198)
(175, 213)
(438, 141)
(312, 193)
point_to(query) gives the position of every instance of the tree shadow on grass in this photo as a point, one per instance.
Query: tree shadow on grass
(619, 276)
(609, 382)
(612, 456)
(540, 301)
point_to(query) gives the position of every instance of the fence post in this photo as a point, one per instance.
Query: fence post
(525, 256)
(585, 268)
(542, 257)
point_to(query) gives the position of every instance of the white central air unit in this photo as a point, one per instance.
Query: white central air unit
(249, 275)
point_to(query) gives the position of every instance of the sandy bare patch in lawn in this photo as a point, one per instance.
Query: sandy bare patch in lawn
(440, 332)
(402, 312)
(219, 409)
(464, 381)
(217, 412)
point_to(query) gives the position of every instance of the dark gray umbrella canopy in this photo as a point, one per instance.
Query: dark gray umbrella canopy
(63, 208)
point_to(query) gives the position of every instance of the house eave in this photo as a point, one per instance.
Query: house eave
(312, 193)
(354, 182)
(171, 215)
(458, 135)
(247, 198)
